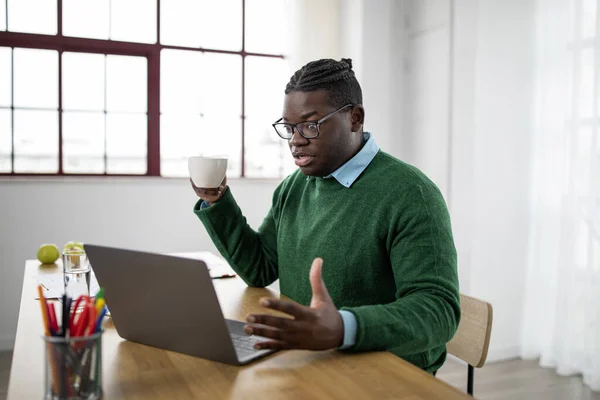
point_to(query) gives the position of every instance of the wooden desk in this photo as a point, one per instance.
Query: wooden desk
(134, 371)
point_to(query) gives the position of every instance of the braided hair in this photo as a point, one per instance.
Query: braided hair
(336, 77)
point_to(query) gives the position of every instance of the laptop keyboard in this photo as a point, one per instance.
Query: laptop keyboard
(244, 344)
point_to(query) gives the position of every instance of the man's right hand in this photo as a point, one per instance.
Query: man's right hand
(211, 195)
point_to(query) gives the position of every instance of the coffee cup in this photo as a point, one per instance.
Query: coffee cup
(207, 172)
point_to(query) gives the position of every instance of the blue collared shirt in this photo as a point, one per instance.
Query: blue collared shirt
(351, 170)
(346, 175)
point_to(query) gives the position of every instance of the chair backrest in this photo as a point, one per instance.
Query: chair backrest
(472, 339)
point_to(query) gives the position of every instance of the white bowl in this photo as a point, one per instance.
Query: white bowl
(207, 172)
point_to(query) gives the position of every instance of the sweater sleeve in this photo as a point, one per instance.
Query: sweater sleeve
(426, 312)
(251, 254)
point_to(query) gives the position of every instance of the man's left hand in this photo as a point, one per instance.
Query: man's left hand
(318, 327)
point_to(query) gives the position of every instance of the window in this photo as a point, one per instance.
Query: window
(104, 118)
(90, 93)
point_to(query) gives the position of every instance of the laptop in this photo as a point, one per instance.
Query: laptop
(170, 303)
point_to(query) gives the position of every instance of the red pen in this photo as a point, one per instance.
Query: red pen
(52, 319)
(82, 321)
(72, 318)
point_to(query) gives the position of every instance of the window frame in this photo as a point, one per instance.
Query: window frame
(151, 51)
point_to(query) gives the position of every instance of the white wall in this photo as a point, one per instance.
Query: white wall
(371, 34)
(502, 147)
(314, 30)
(149, 214)
(462, 156)
(382, 76)
(468, 117)
(427, 94)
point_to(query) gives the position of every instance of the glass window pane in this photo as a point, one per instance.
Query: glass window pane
(221, 25)
(588, 19)
(179, 139)
(179, 22)
(126, 143)
(288, 164)
(143, 12)
(87, 19)
(265, 85)
(2, 15)
(186, 135)
(126, 83)
(83, 81)
(5, 140)
(202, 23)
(222, 86)
(222, 135)
(36, 78)
(36, 141)
(5, 76)
(180, 81)
(83, 142)
(266, 26)
(266, 153)
(32, 16)
(586, 84)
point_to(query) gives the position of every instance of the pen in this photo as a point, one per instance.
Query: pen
(99, 305)
(80, 324)
(99, 295)
(100, 318)
(72, 318)
(65, 315)
(223, 276)
(53, 320)
(49, 349)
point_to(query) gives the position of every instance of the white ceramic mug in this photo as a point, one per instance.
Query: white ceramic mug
(207, 172)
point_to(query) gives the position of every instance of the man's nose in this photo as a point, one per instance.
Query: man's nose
(297, 139)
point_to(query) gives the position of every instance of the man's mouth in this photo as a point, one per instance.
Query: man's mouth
(302, 160)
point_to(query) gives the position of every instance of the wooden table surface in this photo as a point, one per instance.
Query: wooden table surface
(134, 371)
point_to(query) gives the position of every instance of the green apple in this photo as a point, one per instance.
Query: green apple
(48, 253)
(73, 246)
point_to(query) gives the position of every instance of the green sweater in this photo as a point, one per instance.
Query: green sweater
(387, 246)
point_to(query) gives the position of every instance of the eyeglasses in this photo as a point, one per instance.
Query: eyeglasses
(306, 129)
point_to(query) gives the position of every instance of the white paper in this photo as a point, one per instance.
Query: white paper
(53, 284)
(216, 264)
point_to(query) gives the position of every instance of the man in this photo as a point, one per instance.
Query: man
(375, 229)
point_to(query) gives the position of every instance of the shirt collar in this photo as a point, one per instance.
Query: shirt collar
(348, 173)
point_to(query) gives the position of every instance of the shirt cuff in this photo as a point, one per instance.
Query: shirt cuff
(350, 328)
(204, 204)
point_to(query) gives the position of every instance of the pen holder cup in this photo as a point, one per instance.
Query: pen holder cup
(73, 367)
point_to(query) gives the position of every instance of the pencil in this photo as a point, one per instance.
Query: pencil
(44, 307)
(50, 350)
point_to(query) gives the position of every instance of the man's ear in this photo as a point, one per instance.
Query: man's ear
(358, 117)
